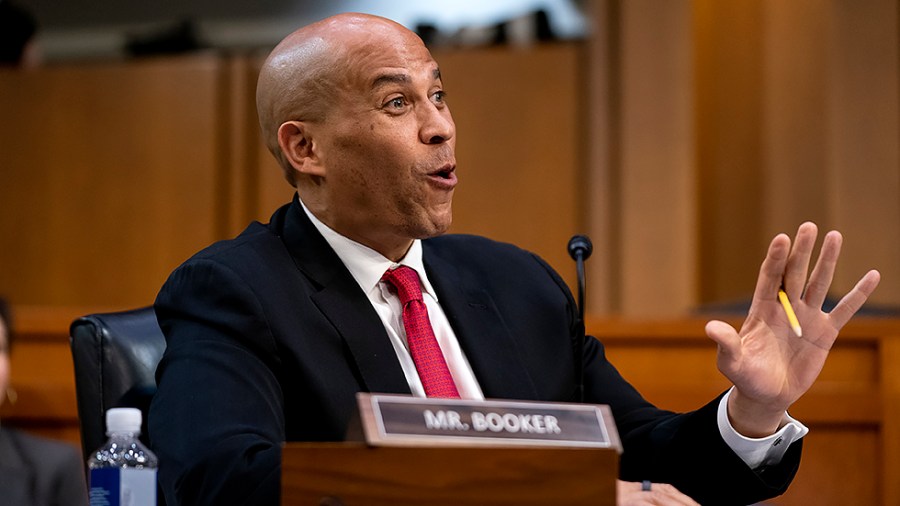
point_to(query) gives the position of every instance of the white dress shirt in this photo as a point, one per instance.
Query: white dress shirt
(367, 266)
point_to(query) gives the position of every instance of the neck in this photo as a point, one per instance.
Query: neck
(390, 246)
(395, 254)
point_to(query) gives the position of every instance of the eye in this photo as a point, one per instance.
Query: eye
(439, 96)
(396, 103)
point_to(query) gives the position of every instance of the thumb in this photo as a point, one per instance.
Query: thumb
(728, 341)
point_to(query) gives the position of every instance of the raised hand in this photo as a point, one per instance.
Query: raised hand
(769, 365)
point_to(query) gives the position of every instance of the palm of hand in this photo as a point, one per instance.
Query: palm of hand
(775, 365)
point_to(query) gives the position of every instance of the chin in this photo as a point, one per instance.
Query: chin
(432, 232)
(442, 225)
(434, 227)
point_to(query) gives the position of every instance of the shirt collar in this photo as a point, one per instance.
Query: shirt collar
(366, 265)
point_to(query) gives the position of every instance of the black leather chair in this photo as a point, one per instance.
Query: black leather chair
(115, 357)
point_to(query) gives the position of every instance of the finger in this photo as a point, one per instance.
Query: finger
(771, 271)
(823, 272)
(629, 493)
(668, 494)
(729, 345)
(850, 304)
(633, 494)
(798, 260)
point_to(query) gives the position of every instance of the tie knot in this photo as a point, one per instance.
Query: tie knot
(406, 281)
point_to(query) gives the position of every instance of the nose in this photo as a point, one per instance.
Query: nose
(436, 124)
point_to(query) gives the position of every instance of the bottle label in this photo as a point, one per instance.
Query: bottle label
(113, 486)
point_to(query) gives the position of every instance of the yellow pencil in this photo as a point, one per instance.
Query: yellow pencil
(789, 311)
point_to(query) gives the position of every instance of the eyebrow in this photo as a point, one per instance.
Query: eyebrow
(398, 78)
(385, 79)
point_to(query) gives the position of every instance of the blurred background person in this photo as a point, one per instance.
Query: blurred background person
(18, 46)
(34, 471)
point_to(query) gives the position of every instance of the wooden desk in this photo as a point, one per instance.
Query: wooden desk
(488, 476)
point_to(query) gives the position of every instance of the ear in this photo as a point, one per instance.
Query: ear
(296, 144)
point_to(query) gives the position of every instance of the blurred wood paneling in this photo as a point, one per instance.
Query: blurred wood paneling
(657, 218)
(792, 115)
(729, 97)
(110, 178)
(864, 139)
(519, 146)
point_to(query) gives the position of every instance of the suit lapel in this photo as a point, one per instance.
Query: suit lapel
(479, 327)
(343, 303)
(477, 323)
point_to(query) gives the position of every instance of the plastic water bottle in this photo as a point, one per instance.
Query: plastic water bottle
(123, 470)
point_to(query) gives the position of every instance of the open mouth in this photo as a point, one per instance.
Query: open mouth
(445, 173)
(445, 177)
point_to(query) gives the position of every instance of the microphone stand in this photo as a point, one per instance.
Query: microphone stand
(580, 249)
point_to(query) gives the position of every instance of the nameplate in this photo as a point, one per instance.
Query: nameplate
(399, 420)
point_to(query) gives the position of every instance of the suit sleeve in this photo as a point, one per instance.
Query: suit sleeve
(683, 449)
(216, 421)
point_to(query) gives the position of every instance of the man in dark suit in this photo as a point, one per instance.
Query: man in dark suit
(270, 335)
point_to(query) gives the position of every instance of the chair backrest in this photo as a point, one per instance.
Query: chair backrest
(115, 357)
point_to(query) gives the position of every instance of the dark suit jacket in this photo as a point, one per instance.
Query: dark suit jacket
(270, 338)
(39, 472)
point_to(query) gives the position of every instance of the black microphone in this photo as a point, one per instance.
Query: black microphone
(580, 246)
(580, 249)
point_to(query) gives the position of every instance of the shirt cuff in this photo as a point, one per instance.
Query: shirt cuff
(766, 451)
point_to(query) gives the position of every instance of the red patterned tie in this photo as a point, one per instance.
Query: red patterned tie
(423, 346)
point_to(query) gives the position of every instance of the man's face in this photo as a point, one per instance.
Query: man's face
(387, 144)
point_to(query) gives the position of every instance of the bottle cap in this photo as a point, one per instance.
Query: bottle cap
(123, 420)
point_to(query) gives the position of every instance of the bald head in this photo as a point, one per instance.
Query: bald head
(303, 75)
